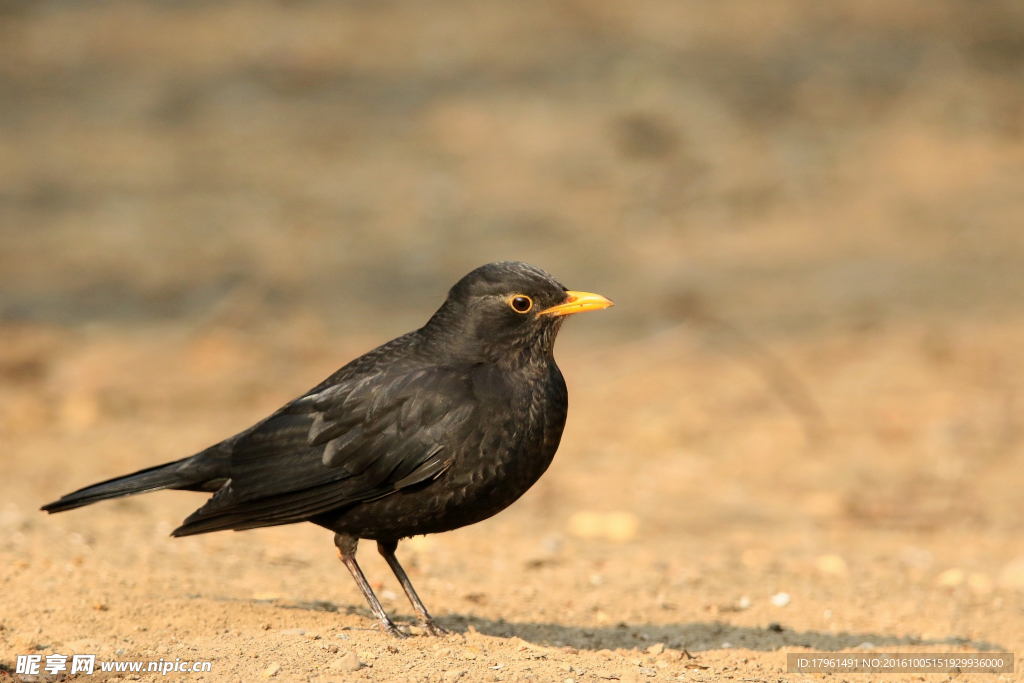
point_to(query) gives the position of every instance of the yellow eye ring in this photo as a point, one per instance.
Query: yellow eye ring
(521, 303)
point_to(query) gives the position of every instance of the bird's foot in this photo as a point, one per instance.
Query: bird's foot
(432, 628)
(389, 627)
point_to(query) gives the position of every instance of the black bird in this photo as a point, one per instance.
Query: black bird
(437, 429)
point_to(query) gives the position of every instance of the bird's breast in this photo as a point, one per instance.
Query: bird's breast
(518, 438)
(513, 443)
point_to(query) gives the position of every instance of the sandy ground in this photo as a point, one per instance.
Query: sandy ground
(685, 498)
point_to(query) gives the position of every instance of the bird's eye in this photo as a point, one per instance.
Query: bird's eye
(521, 303)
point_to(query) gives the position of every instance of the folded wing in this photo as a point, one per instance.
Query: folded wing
(360, 439)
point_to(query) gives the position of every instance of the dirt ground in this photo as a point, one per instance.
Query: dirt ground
(685, 498)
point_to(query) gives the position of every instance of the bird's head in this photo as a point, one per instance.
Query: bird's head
(506, 311)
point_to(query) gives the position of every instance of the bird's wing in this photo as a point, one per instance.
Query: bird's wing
(355, 440)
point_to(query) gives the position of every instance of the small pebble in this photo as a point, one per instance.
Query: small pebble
(347, 662)
(452, 675)
(951, 577)
(831, 564)
(272, 670)
(780, 599)
(656, 649)
(979, 583)
(1012, 574)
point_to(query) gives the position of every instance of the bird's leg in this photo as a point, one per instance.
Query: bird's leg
(347, 554)
(387, 550)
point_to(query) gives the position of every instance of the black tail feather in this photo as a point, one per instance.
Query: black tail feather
(167, 476)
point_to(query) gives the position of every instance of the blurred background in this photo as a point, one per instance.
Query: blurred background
(810, 216)
(796, 165)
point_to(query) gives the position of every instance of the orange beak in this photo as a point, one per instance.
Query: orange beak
(578, 302)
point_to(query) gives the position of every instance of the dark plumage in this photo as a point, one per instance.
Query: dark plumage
(437, 429)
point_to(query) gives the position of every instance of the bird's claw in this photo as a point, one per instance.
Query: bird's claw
(392, 630)
(433, 628)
